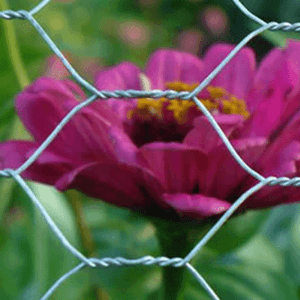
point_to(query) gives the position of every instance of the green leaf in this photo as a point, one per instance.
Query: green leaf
(32, 258)
(246, 282)
(15, 252)
(51, 259)
(255, 272)
(119, 232)
(237, 231)
(282, 228)
(261, 252)
(292, 250)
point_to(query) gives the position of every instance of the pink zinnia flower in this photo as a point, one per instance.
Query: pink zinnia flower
(215, 19)
(55, 68)
(134, 33)
(160, 156)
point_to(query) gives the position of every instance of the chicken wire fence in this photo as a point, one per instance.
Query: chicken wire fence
(161, 261)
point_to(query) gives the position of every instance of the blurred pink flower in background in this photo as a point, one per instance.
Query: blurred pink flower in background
(134, 33)
(190, 41)
(87, 66)
(55, 68)
(215, 19)
(90, 65)
(162, 157)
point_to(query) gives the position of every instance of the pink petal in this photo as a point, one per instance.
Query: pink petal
(205, 137)
(170, 65)
(237, 75)
(55, 68)
(281, 159)
(76, 89)
(278, 66)
(103, 139)
(292, 51)
(123, 147)
(223, 173)
(270, 196)
(89, 135)
(279, 196)
(46, 169)
(281, 156)
(41, 107)
(116, 183)
(177, 166)
(272, 99)
(196, 206)
(124, 76)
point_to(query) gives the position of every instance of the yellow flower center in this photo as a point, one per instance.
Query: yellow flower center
(219, 101)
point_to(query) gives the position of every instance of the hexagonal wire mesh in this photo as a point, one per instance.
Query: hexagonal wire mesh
(170, 94)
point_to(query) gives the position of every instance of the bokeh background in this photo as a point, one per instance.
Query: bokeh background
(254, 256)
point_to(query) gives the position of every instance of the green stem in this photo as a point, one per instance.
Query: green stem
(13, 48)
(86, 237)
(174, 240)
(88, 245)
(17, 130)
(174, 279)
(177, 239)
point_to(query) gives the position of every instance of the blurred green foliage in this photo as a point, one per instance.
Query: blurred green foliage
(256, 256)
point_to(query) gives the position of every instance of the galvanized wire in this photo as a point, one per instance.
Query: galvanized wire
(104, 95)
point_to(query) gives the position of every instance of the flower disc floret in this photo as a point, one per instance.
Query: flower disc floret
(219, 101)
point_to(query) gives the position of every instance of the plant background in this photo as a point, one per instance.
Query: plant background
(254, 256)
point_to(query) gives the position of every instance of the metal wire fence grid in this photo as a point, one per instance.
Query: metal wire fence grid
(162, 261)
